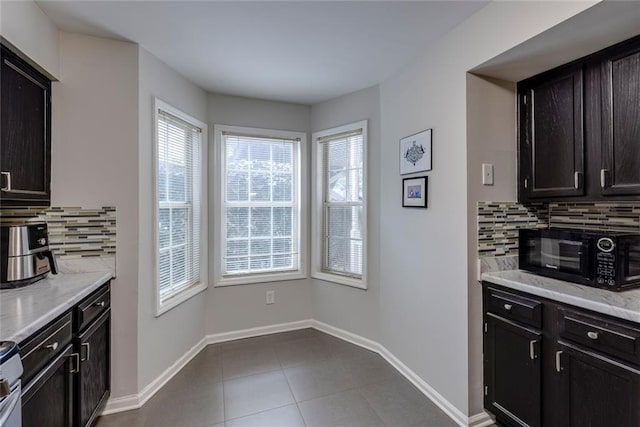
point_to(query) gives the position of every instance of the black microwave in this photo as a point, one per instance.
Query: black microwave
(601, 259)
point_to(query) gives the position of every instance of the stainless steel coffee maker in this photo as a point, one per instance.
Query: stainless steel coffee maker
(25, 256)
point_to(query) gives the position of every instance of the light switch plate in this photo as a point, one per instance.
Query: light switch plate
(487, 174)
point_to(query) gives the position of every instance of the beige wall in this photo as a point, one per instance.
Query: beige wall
(352, 309)
(28, 29)
(161, 340)
(238, 307)
(424, 305)
(94, 156)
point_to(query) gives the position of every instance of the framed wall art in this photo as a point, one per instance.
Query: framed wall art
(415, 153)
(414, 192)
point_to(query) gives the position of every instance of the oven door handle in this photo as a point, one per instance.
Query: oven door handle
(13, 399)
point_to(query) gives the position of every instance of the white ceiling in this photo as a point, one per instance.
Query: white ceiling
(295, 51)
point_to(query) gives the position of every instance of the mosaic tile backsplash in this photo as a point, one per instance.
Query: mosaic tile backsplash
(498, 222)
(73, 232)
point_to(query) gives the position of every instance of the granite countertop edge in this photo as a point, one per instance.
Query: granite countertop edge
(85, 283)
(623, 305)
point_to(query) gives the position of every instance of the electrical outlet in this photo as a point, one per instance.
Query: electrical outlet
(487, 174)
(271, 297)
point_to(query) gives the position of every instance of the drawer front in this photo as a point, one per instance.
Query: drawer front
(602, 335)
(514, 307)
(92, 307)
(36, 352)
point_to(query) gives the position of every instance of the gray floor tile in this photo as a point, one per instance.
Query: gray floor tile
(399, 403)
(122, 419)
(256, 393)
(370, 369)
(243, 362)
(347, 408)
(247, 343)
(192, 407)
(309, 381)
(308, 350)
(294, 335)
(287, 416)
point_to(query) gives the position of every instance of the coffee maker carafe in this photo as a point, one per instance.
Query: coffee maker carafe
(25, 256)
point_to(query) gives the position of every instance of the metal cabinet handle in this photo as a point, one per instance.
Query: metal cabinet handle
(98, 304)
(52, 347)
(558, 361)
(576, 179)
(603, 177)
(76, 357)
(508, 307)
(7, 187)
(592, 335)
(532, 349)
(88, 351)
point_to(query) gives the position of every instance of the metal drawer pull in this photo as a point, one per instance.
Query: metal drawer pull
(592, 335)
(532, 349)
(603, 177)
(576, 179)
(52, 347)
(88, 347)
(7, 187)
(558, 361)
(75, 356)
(98, 304)
(508, 307)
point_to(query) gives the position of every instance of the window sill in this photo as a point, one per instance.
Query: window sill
(341, 280)
(179, 298)
(259, 278)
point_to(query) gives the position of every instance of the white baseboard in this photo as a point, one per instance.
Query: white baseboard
(135, 401)
(259, 331)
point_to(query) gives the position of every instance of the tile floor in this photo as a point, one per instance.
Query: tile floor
(298, 378)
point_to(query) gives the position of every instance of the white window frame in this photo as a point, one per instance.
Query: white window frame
(219, 183)
(317, 251)
(184, 294)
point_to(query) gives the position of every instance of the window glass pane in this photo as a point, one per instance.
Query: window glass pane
(283, 261)
(237, 186)
(337, 254)
(281, 246)
(234, 265)
(260, 222)
(237, 248)
(282, 187)
(237, 155)
(282, 221)
(260, 263)
(260, 186)
(260, 246)
(260, 156)
(237, 222)
(179, 226)
(164, 227)
(164, 276)
(179, 265)
(338, 186)
(282, 157)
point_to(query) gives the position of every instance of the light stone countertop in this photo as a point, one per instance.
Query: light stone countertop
(25, 310)
(623, 305)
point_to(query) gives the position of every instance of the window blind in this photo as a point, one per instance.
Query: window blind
(261, 210)
(179, 200)
(343, 203)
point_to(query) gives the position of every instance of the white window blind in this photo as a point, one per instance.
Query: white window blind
(179, 198)
(261, 206)
(343, 203)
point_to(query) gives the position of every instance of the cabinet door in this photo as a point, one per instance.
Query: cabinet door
(47, 399)
(25, 133)
(93, 380)
(551, 143)
(598, 391)
(512, 372)
(620, 173)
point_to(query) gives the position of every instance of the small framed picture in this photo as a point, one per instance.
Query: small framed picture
(415, 153)
(414, 192)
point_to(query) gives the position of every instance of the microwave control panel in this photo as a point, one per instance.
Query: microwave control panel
(605, 269)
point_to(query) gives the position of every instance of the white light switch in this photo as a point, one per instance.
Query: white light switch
(487, 174)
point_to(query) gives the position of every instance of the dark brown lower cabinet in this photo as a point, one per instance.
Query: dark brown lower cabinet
(512, 372)
(547, 363)
(598, 391)
(47, 401)
(93, 379)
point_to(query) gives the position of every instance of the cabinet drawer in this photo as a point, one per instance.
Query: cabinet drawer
(47, 344)
(514, 307)
(92, 307)
(605, 336)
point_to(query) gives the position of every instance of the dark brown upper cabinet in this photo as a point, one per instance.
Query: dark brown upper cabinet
(25, 134)
(620, 173)
(579, 129)
(552, 150)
